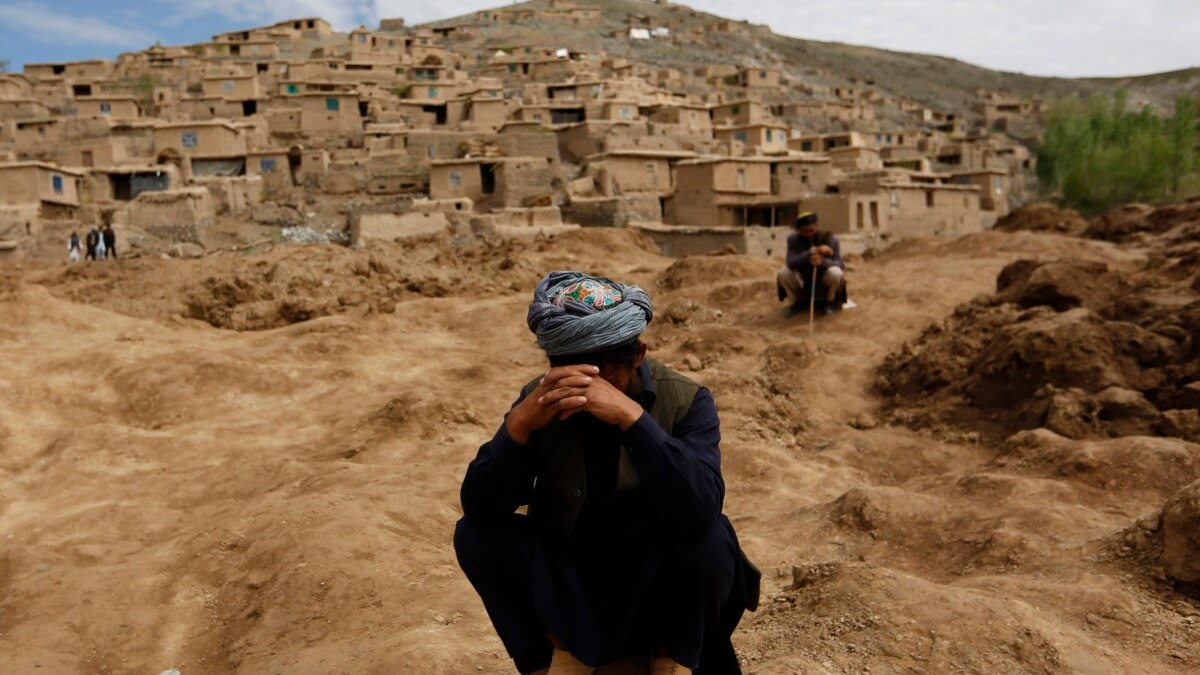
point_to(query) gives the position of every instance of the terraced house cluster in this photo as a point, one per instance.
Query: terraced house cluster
(459, 117)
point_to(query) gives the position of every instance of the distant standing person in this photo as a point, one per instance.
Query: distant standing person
(101, 250)
(93, 236)
(809, 250)
(110, 241)
(73, 247)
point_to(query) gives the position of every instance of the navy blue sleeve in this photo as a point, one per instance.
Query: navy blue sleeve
(500, 478)
(834, 260)
(681, 473)
(797, 257)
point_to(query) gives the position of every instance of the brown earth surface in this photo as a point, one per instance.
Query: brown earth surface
(280, 498)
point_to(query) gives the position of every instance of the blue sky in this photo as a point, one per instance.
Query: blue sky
(1041, 37)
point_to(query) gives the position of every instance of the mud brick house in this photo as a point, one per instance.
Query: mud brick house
(762, 139)
(691, 118)
(213, 148)
(850, 213)
(330, 113)
(798, 176)
(33, 136)
(759, 77)
(619, 110)
(112, 184)
(89, 70)
(740, 112)
(91, 152)
(13, 87)
(116, 107)
(292, 29)
(274, 165)
(999, 109)
(916, 210)
(826, 142)
(23, 109)
(631, 171)
(244, 90)
(499, 182)
(852, 159)
(35, 190)
(994, 189)
(728, 192)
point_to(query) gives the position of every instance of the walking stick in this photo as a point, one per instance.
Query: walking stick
(812, 302)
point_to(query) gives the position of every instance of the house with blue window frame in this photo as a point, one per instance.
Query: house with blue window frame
(113, 107)
(336, 113)
(39, 190)
(751, 77)
(274, 165)
(754, 139)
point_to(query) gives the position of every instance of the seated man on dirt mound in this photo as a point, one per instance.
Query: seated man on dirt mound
(812, 254)
(624, 554)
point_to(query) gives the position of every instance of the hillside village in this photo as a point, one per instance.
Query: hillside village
(388, 128)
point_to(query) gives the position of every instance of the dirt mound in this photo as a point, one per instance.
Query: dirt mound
(1131, 220)
(701, 271)
(1061, 285)
(1048, 350)
(289, 284)
(1043, 218)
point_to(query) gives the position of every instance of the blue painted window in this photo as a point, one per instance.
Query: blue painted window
(188, 139)
(293, 89)
(268, 164)
(57, 183)
(332, 104)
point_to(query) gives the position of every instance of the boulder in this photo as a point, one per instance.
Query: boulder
(1181, 535)
(1127, 413)
(1183, 424)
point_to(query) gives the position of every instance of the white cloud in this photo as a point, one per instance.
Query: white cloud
(43, 25)
(423, 11)
(1077, 38)
(343, 15)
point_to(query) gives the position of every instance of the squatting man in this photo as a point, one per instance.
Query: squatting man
(812, 255)
(624, 553)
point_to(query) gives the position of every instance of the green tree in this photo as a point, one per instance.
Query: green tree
(1182, 131)
(1097, 153)
(3, 65)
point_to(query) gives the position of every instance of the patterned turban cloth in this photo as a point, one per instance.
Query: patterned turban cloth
(573, 313)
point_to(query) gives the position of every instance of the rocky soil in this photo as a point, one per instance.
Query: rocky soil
(249, 463)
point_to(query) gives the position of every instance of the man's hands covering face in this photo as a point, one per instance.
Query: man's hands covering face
(567, 390)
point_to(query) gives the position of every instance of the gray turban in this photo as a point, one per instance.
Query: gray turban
(573, 313)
